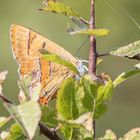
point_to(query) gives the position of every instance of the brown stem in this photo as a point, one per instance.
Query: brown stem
(84, 21)
(51, 134)
(92, 50)
(5, 99)
(104, 54)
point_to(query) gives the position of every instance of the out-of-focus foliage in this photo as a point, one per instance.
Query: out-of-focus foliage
(105, 92)
(59, 7)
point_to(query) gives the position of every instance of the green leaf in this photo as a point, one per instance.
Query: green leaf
(109, 135)
(67, 132)
(72, 133)
(105, 92)
(95, 32)
(90, 91)
(24, 85)
(59, 7)
(36, 90)
(30, 87)
(66, 106)
(131, 51)
(133, 134)
(99, 61)
(82, 134)
(85, 91)
(27, 115)
(49, 116)
(57, 59)
(79, 97)
(76, 98)
(100, 109)
(4, 120)
(16, 133)
(79, 94)
(124, 76)
(84, 120)
(80, 27)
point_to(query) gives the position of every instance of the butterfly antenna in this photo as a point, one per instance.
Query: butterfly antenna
(76, 54)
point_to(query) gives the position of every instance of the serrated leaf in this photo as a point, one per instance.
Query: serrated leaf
(133, 134)
(66, 106)
(90, 91)
(27, 115)
(131, 51)
(124, 76)
(85, 90)
(84, 120)
(73, 133)
(105, 91)
(100, 109)
(49, 116)
(59, 7)
(30, 87)
(79, 94)
(36, 92)
(109, 135)
(82, 134)
(57, 59)
(67, 132)
(4, 120)
(16, 133)
(24, 85)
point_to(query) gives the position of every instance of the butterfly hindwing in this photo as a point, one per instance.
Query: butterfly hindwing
(26, 45)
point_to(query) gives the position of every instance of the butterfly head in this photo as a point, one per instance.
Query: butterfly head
(81, 67)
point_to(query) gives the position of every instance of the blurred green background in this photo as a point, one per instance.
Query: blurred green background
(124, 109)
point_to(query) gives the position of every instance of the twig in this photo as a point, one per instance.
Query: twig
(92, 50)
(104, 54)
(83, 20)
(51, 134)
(5, 99)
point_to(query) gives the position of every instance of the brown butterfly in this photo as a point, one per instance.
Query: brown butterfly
(26, 45)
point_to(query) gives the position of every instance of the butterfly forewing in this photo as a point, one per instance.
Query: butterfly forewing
(26, 45)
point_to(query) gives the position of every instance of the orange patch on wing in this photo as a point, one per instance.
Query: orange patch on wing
(26, 45)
